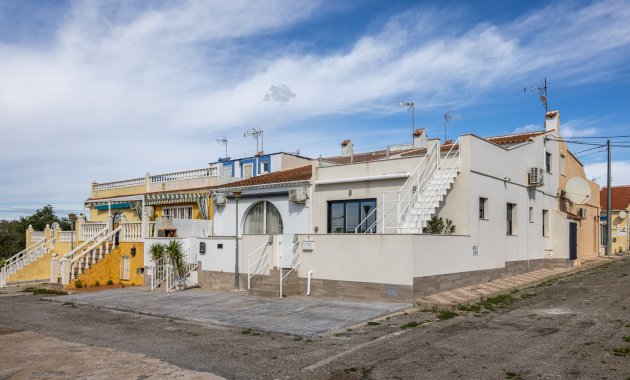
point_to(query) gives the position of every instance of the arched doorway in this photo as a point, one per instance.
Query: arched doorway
(263, 218)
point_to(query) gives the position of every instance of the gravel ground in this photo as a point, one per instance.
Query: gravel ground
(563, 329)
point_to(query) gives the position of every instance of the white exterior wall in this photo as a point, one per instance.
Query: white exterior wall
(295, 217)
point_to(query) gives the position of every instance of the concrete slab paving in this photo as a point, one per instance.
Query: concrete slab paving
(300, 315)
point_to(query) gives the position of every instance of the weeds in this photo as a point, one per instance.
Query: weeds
(470, 307)
(446, 314)
(97, 283)
(626, 339)
(513, 376)
(110, 282)
(623, 351)
(46, 291)
(373, 323)
(410, 325)
(78, 284)
(246, 331)
(497, 301)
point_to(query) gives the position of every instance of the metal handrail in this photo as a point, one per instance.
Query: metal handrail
(294, 264)
(249, 263)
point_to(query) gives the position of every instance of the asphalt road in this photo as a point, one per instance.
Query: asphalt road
(565, 329)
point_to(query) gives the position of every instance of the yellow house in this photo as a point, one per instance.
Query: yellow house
(620, 210)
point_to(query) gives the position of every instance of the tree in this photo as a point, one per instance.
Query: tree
(45, 216)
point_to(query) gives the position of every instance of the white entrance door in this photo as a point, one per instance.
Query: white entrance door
(286, 249)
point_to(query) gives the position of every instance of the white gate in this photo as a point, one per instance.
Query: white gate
(286, 250)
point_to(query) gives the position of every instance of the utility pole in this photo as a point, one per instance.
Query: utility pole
(608, 206)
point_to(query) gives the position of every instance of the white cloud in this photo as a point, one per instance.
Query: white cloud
(527, 128)
(620, 172)
(123, 90)
(579, 128)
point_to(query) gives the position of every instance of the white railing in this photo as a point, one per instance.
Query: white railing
(131, 231)
(66, 236)
(295, 263)
(84, 258)
(185, 227)
(151, 229)
(88, 230)
(398, 202)
(85, 245)
(118, 184)
(395, 205)
(24, 257)
(188, 174)
(258, 266)
(37, 236)
(164, 272)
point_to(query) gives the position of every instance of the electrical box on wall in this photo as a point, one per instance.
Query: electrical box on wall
(202, 248)
(308, 245)
(475, 250)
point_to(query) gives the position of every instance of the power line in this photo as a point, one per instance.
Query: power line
(601, 150)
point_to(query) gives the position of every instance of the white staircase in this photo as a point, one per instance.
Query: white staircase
(23, 258)
(428, 201)
(408, 209)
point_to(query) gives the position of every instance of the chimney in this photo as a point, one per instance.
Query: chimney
(552, 121)
(419, 138)
(346, 148)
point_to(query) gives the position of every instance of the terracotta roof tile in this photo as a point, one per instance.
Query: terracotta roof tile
(514, 138)
(303, 173)
(620, 197)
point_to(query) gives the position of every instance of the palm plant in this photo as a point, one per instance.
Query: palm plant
(175, 256)
(157, 252)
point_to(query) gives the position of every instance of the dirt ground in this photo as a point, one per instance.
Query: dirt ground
(577, 327)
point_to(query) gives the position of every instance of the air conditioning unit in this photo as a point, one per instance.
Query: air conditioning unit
(298, 194)
(536, 177)
(582, 213)
(219, 198)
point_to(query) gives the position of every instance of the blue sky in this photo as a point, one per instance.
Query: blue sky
(114, 89)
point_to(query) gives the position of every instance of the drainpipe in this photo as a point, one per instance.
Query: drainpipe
(308, 283)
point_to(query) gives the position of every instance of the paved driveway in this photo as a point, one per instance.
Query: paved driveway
(300, 315)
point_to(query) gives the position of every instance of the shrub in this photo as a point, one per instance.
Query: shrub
(78, 284)
(439, 226)
(97, 283)
(157, 252)
(110, 282)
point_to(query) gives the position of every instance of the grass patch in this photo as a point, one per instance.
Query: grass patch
(513, 376)
(627, 325)
(497, 301)
(410, 325)
(246, 331)
(469, 307)
(626, 339)
(446, 314)
(623, 351)
(373, 323)
(50, 292)
(298, 338)
(350, 370)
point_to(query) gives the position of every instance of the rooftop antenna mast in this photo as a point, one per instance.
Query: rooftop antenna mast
(224, 141)
(256, 133)
(448, 116)
(410, 107)
(541, 89)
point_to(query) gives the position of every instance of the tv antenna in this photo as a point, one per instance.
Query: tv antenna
(541, 89)
(448, 117)
(255, 133)
(224, 141)
(410, 107)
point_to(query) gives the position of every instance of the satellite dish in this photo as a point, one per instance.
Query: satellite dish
(543, 99)
(623, 215)
(578, 190)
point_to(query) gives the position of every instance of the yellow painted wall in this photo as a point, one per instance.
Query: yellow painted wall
(133, 190)
(620, 231)
(37, 270)
(109, 267)
(101, 215)
(588, 229)
(61, 248)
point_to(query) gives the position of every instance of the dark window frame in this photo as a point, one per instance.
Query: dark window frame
(345, 203)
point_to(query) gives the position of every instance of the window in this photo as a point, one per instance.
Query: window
(125, 267)
(263, 218)
(483, 208)
(248, 170)
(346, 216)
(185, 212)
(227, 171)
(531, 214)
(511, 219)
(545, 222)
(548, 162)
(264, 167)
(562, 164)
